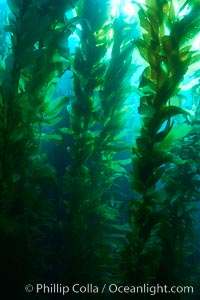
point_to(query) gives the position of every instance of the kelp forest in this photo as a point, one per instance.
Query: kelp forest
(100, 149)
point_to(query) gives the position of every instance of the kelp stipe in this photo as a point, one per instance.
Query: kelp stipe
(92, 236)
(167, 51)
(24, 175)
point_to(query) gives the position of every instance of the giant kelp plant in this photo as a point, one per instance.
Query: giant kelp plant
(27, 70)
(156, 243)
(97, 118)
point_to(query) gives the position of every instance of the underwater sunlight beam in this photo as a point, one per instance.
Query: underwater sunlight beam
(124, 7)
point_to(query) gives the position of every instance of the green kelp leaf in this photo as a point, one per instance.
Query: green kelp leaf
(118, 169)
(115, 236)
(98, 72)
(144, 21)
(158, 172)
(54, 106)
(51, 137)
(122, 227)
(52, 121)
(66, 131)
(179, 161)
(122, 161)
(122, 134)
(116, 148)
(194, 61)
(143, 49)
(170, 111)
(175, 197)
(177, 132)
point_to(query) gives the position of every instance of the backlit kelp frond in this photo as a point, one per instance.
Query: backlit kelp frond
(168, 53)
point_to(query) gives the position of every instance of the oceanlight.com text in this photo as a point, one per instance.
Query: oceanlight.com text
(152, 290)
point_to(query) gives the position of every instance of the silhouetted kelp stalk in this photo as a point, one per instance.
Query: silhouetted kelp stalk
(31, 65)
(97, 117)
(154, 248)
